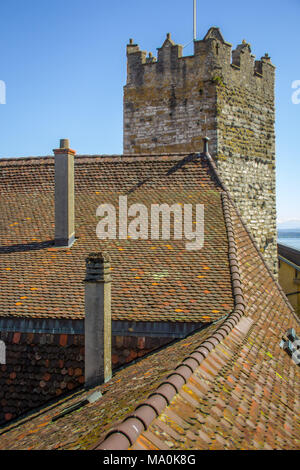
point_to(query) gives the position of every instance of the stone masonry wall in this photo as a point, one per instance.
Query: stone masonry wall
(246, 161)
(172, 102)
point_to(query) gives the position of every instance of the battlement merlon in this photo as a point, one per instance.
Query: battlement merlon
(211, 54)
(169, 51)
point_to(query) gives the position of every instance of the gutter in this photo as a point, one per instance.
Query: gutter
(289, 262)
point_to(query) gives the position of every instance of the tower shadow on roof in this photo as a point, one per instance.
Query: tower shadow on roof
(27, 246)
(189, 158)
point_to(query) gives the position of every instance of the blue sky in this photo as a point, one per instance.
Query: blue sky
(64, 66)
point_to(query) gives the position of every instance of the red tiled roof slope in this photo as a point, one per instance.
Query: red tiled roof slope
(241, 390)
(245, 393)
(152, 280)
(83, 428)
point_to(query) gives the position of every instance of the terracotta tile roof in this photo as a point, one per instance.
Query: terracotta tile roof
(229, 386)
(245, 393)
(289, 253)
(152, 280)
(39, 367)
(121, 394)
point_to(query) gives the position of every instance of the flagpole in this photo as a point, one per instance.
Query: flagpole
(195, 26)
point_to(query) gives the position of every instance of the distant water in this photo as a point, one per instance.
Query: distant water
(289, 238)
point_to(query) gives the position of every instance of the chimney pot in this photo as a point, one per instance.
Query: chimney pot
(64, 144)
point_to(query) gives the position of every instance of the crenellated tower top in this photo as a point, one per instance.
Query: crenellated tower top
(213, 57)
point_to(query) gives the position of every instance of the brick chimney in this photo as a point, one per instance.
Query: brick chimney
(97, 319)
(64, 195)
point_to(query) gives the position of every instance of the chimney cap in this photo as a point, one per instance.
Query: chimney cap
(64, 148)
(98, 267)
(98, 257)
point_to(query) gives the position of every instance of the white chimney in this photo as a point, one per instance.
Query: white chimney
(64, 195)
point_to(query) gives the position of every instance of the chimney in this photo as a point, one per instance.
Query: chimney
(97, 324)
(64, 194)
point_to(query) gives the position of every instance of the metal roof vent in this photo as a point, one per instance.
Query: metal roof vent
(95, 396)
(291, 344)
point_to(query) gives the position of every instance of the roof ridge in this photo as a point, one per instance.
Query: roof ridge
(24, 160)
(225, 189)
(41, 158)
(125, 434)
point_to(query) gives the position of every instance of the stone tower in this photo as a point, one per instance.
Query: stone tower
(171, 102)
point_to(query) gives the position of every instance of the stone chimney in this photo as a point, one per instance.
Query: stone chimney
(97, 319)
(64, 195)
